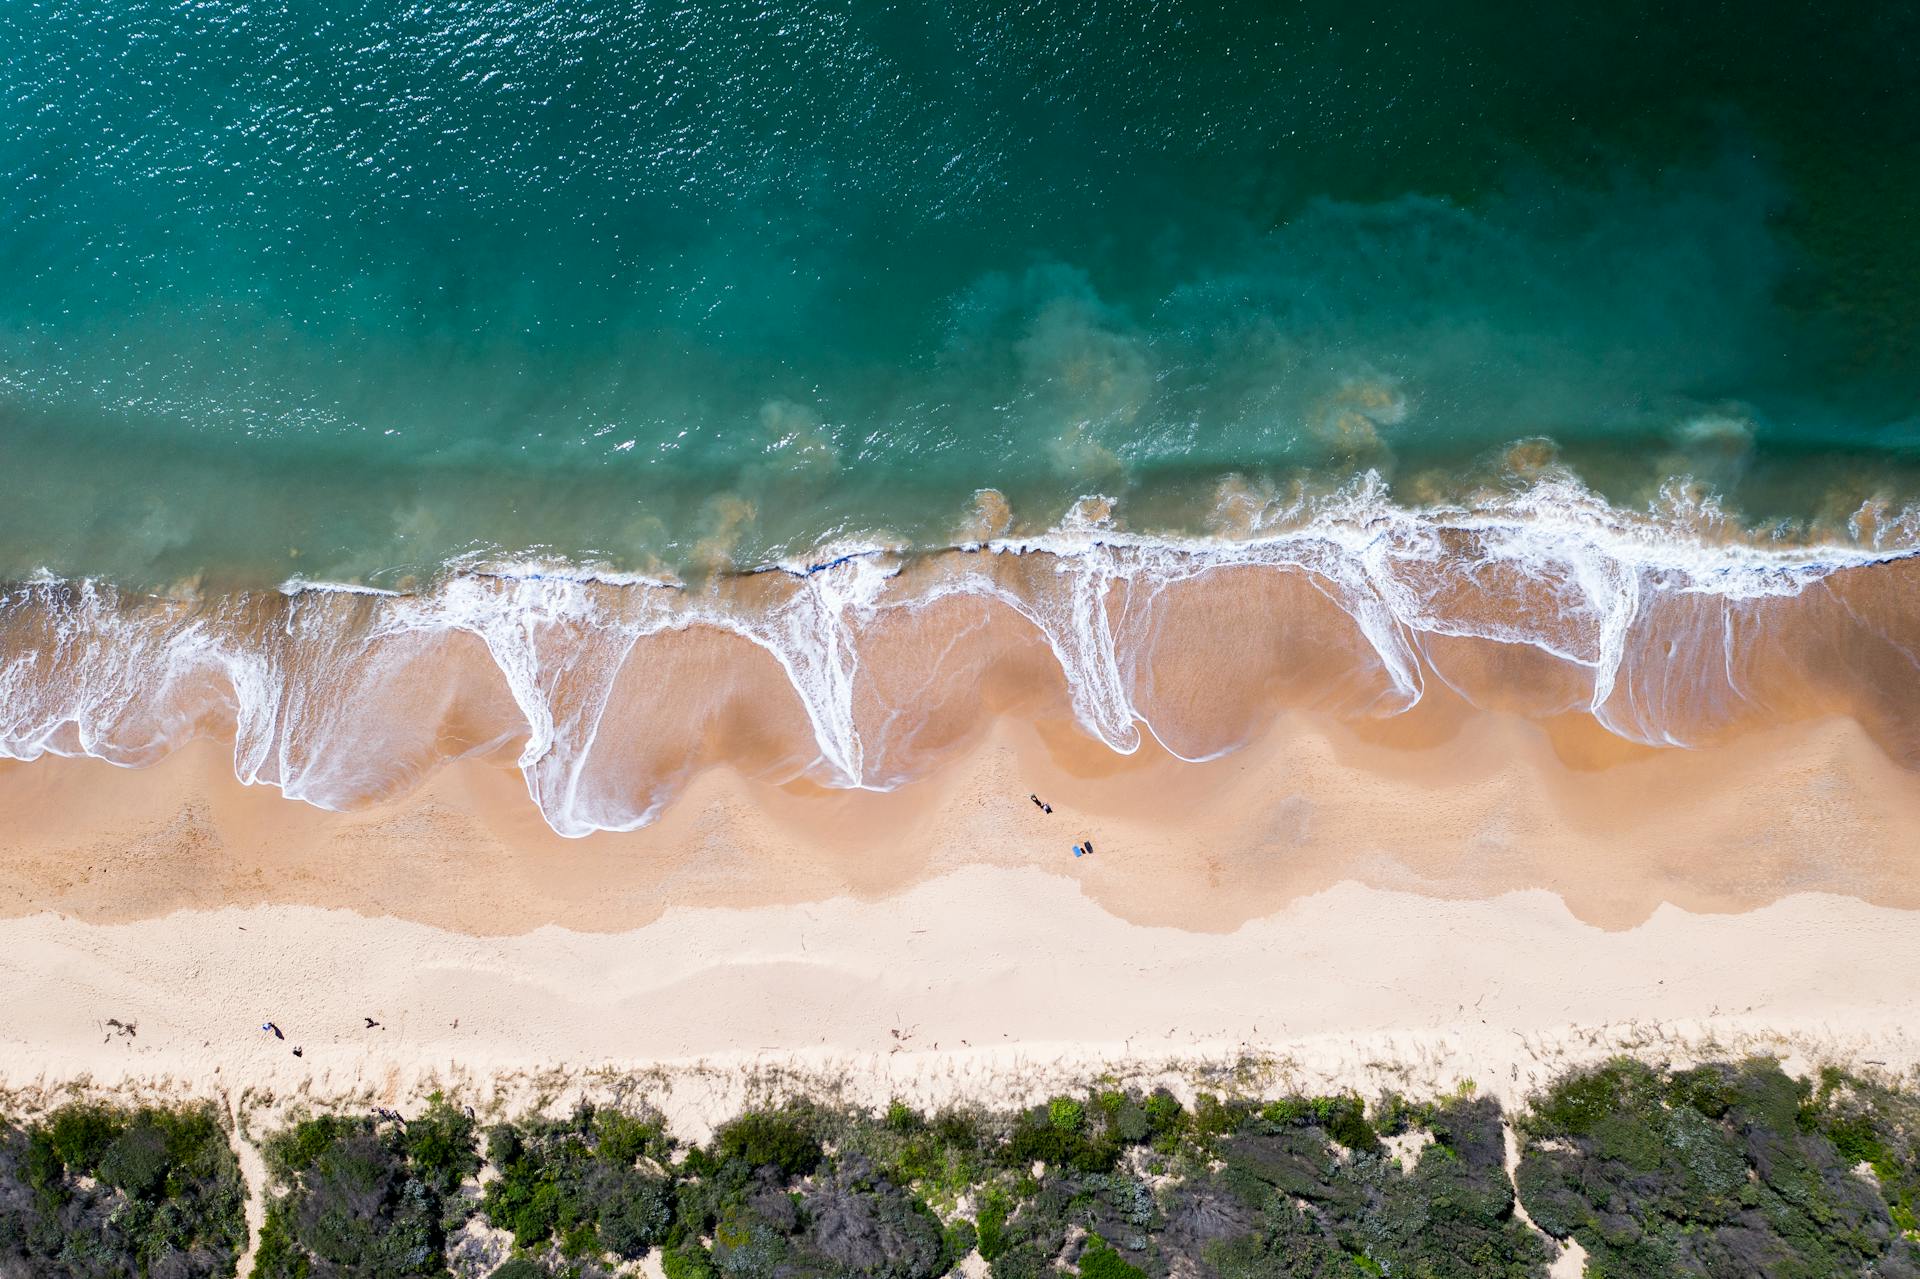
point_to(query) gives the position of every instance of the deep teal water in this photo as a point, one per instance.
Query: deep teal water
(349, 289)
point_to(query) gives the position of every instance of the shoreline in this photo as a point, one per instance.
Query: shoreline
(880, 673)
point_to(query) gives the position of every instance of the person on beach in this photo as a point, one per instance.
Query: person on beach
(267, 1025)
(1040, 804)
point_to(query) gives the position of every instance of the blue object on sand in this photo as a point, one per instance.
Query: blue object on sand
(1078, 851)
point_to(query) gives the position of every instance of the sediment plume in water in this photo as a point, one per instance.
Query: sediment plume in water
(866, 667)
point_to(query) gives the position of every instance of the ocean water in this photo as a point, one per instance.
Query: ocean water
(624, 388)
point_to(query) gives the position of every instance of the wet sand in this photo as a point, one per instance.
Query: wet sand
(1448, 803)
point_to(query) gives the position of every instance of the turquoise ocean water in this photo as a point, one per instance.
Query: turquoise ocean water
(383, 383)
(347, 290)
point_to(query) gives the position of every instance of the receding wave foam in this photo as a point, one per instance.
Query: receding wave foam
(864, 666)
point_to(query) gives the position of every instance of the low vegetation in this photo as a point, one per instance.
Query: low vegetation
(1724, 1169)
(95, 1190)
(594, 1184)
(1108, 1185)
(364, 1197)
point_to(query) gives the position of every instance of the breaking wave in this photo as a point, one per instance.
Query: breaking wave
(864, 666)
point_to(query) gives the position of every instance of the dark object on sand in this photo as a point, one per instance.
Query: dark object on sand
(1089, 847)
(371, 1023)
(267, 1025)
(299, 1052)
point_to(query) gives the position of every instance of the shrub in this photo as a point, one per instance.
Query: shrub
(97, 1189)
(1066, 1114)
(991, 1223)
(621, 1138)
(277, 1256)
(1054, 1135)
(1721, 1169)
(688, 1263)
(957, 1130)
(519, 1268)
(578, 1181)
(357, 1198)
(80, 1135)
(439, 1146)
(637, 1216)
(860, 1224)
(1101, 1262)
(763, 1139)
(959, 1239)
(1879, 1126)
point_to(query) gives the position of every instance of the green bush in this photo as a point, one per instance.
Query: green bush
(688, 1263)
(1066, 1114)
(277, 1256)
(621, 1138)
(991, 1223)
(1718, 1170)
(1055, 1135)
(81, 1134)
(519, 1268)
(1722, 1169)
(439, 1145)
(1101, 1262)
(351, 1196)
(96, 1189)
(766, 1139)
(579, 1181)
(1871, 1123)
(961, 1237)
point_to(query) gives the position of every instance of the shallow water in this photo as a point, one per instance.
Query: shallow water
(1572, 360)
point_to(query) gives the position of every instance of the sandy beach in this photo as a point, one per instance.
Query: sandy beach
(1452, 896)
(974, 984)
(1327, 896)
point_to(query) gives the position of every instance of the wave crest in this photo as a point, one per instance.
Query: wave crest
(863, 665)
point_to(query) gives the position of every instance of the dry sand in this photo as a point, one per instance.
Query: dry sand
(979, 982)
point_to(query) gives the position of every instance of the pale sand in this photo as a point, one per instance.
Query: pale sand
(982, 984)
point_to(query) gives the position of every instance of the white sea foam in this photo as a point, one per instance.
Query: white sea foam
(1650, 609)
(301, 585)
